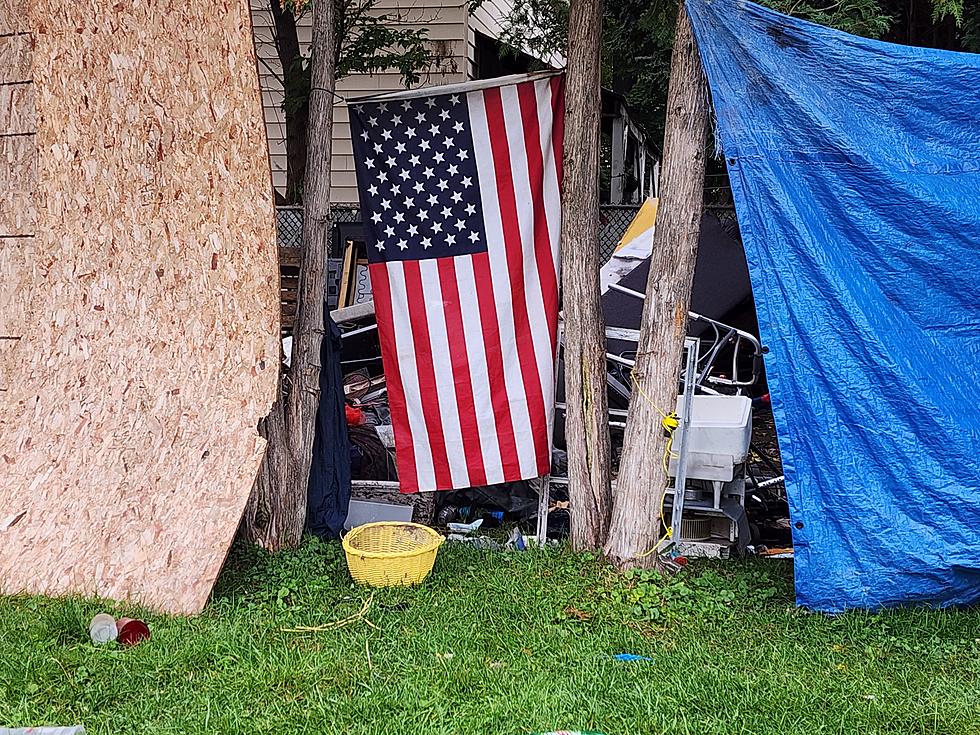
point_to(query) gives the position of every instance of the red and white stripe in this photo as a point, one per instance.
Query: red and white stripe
(469, 342)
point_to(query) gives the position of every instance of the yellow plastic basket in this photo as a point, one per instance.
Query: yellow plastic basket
(391, 554)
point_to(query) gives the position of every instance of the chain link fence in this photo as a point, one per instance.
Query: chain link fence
(289, 226)
(345, 224)
(289, 222)
(613, 221)
(729, 220)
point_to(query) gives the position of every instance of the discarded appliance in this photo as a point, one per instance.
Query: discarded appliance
(710, 460)
(714, 496)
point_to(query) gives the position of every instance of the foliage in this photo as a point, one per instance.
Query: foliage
(708, 595)
(367, 42)
(948, 8)
(494, 643)
(539, 27)
(971, 29)
(638, 35)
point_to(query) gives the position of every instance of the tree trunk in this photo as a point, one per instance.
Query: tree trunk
(304, 393)
(263, 523)
(636, 513)
(276, 513)
(586, 422)
(296, 112)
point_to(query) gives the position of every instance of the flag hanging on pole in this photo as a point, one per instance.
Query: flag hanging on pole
(459, 190)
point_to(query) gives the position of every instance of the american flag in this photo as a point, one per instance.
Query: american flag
(459, 190)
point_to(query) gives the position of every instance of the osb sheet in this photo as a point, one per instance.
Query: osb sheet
(146, 304)
(15, 58)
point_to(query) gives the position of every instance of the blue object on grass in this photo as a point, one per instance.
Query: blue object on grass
(630, 657)
(855, 169)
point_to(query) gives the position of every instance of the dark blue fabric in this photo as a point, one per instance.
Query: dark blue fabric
(855, 167)
(329, 490)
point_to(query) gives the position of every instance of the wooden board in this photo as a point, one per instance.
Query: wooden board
(138, 268)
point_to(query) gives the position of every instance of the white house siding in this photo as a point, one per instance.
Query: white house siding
(447, 22)
(270, 78)
(487, 18)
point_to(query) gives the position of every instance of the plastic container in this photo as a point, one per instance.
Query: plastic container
(391, 554)
(103, 628)
(719, 425)
(132, 631)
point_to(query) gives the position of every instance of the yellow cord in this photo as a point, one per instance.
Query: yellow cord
(669, 422)
(636, 384)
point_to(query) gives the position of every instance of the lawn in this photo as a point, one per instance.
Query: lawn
(495, 642)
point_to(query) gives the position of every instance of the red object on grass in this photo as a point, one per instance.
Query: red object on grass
(132, 631)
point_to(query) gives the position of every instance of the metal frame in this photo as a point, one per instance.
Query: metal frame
(544, 492)
(692, 347)
(734, 337)
(724, 335)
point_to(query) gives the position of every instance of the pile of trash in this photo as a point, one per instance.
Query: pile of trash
(504, 516)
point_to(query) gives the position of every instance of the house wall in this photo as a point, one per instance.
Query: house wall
(270, 80)
(448, 23)
(487, 18)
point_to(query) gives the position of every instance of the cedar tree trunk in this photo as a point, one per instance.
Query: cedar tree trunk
(635, 524)
(296, 112)
(586, 423)
(276, 515)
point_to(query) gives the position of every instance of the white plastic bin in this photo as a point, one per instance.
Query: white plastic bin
(720, 425)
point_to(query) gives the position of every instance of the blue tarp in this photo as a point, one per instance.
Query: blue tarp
(855, 167)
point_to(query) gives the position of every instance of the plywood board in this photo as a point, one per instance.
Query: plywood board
(17, 108)
(146, 303)
(15, 58)
(13, 17)
(18, 171)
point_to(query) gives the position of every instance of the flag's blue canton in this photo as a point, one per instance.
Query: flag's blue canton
(420, 196)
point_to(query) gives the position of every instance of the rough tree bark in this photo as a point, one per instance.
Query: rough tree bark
(291, 60)
(276, 514)
(264, 523)
(635, 524)
(586, 423)
(304, 394)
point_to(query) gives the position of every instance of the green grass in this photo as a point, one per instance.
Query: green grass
(495, 643)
